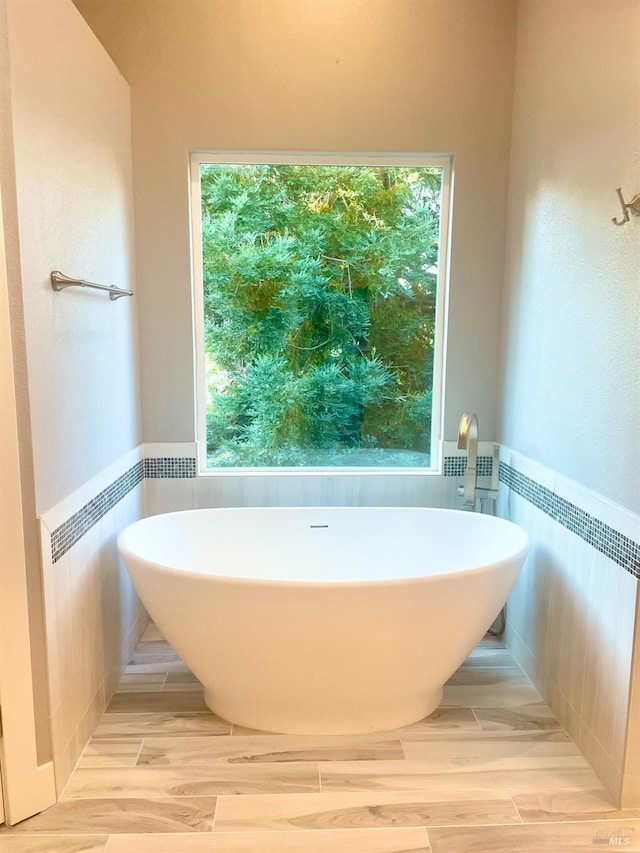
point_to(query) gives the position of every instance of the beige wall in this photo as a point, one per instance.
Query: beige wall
(68, 204)
(571, 388)
(570, 393)
(72, 153)
(367, 75)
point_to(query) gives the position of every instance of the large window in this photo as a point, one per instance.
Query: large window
(319, 285)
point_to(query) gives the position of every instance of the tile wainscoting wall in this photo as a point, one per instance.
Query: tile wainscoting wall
(300, 488)
(93, 617)
(571, 618)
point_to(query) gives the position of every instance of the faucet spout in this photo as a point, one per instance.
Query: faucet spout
(468, 440)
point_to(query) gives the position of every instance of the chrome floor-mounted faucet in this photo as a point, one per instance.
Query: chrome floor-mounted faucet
(468, 440)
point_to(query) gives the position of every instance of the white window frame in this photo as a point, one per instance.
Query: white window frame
(442, 161)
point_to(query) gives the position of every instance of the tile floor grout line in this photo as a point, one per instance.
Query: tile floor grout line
(212, 765)
(165, 796)
(159, 711)
(529, 824)
(65, 836)
(170, 658)
(60, 796)
(401, 739)
(215, 815)
(292, 831)
(511, 797)
(139, 753)
(425, 826)
(477, 719)
(173, 713)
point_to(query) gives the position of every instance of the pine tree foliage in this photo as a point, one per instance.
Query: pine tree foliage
(319, 297)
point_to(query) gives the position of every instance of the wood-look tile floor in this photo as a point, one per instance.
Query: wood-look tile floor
(491, 771)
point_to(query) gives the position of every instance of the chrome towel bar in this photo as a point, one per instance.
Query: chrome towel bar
(59, 281)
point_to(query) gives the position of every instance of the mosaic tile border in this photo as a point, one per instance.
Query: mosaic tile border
(455, 466)
(605, 539)
(170, 467)
(65, 536)
(74, 528)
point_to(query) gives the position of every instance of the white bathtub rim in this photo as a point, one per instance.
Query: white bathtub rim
(515, 557)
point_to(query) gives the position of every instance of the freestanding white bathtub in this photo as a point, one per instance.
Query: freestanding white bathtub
(323, 620)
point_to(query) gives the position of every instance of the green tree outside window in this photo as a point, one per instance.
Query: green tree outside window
(319, 306)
